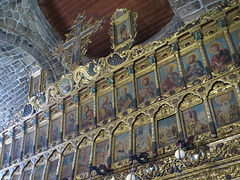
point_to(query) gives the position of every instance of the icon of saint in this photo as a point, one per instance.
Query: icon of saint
(221, 56)
(195, 68)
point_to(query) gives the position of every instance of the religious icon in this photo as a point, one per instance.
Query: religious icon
(17, 149)
(121, 147)
(167, 131)
(36, 85)
(226, 108)
(29, 143)
(6, 154)
(101, 153)
(125, 100)
(42, 137)
(52, 170)
(55, 130)
(87, 115)
(236, 39)
(37, 80)
(39, 172)
(65, 85)
(170, 77)
(70, 122)
(143, 138)
(195, 120)
(218, 54)
(67, 166)
(146, 87)
(193, 65)
(27, 175)
(105, 110)
(83, 160)
(123, 31)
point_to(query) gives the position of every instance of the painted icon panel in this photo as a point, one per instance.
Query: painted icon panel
(193, 65)
(143, 138)
(52, 170)
(87, 115)
(66, 85)
(27, 175)
(226, 108)
(6, 154)
(123, 31)
(146, 87)
(105, 106)
(170, 77)
(67, 166)
(236, 39)
(56, 130)
(17, 149)
(29, 143)
(38, 175)
(83, 160)
(195, 120)
(101, 152)
(70, 122)
(218, 54)
(167, 131)
(42, 137)
(121, 149)
(36, 85)
(124, 97)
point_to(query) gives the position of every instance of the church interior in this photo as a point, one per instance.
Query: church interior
(115, 90)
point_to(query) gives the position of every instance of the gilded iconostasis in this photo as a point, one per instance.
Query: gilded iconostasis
(138, 100)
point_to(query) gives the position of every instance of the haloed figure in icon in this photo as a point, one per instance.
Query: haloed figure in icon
(221, 56)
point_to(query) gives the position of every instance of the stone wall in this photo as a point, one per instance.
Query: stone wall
(189, 10)
(15, 66)
(26, 38)
(22, 24)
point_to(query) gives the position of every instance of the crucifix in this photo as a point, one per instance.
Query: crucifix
(81, 30)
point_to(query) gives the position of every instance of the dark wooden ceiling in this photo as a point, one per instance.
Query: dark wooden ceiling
(152, 16)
